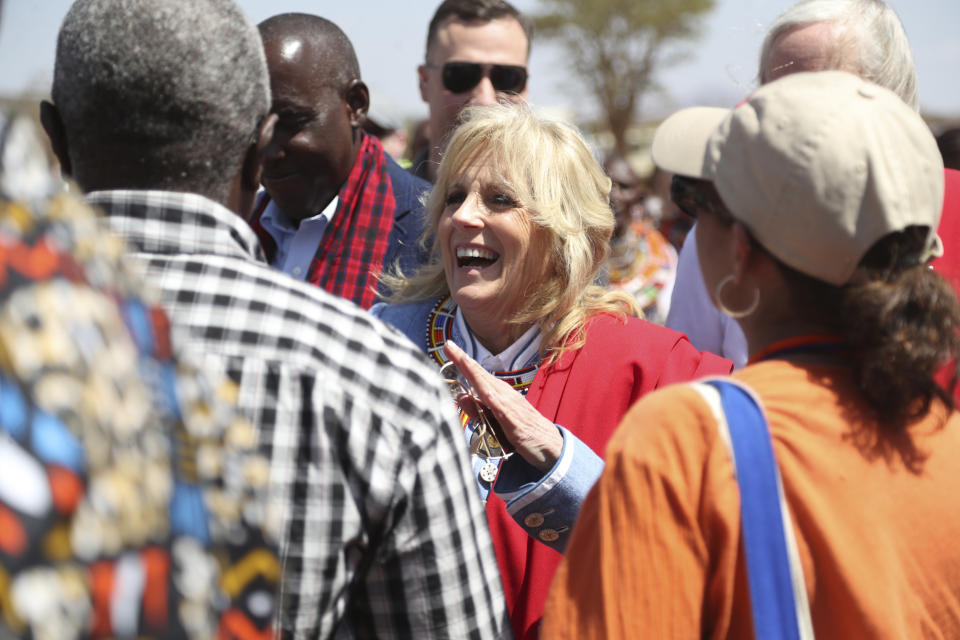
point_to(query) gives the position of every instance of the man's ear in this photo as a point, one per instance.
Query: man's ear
(257, 153)
(422, 81)
(57, 134)
(357, 98)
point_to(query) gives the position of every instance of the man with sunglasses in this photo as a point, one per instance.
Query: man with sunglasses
(477, 52)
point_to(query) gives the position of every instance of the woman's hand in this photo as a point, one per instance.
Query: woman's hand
(534, 437)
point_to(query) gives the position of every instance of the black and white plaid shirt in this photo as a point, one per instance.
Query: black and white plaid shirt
(384, 534)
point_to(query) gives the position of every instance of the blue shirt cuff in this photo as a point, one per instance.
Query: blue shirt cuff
(546, 506)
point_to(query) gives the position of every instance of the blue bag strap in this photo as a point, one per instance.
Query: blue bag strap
(778, 595)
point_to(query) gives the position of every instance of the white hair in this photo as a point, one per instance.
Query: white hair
(882, 49)
(175, 86)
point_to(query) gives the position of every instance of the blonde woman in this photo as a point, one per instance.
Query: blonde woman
(518, 225)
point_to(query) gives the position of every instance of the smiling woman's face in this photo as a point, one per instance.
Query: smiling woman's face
(492, 253)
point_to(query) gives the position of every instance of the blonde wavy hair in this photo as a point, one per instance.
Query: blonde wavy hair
(548, 169)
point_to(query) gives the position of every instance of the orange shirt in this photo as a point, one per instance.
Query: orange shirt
(656, 549)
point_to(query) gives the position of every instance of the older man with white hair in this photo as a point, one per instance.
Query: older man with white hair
(160, 111)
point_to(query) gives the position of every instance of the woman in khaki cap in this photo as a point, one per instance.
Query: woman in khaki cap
(817, 202)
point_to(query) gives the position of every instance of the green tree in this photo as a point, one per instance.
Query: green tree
(617, 46)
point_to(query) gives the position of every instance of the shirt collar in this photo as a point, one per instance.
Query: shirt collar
(176, 223)
(522, 353)
(278, 225)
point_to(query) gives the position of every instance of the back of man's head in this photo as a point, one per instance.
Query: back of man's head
(868, 39)
(165, 94)
(477, 11)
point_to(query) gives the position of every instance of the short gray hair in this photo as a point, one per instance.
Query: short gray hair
(175, 86)
(883, 51)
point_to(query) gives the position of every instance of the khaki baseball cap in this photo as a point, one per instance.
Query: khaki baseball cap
(818, 166)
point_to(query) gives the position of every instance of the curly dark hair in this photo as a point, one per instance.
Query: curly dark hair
(901, 320)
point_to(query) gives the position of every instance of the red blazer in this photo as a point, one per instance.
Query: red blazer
(588, 391)
(948, 265)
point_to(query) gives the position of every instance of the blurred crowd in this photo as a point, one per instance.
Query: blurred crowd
(275, 364)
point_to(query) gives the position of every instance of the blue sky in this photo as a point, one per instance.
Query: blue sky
(389, 38)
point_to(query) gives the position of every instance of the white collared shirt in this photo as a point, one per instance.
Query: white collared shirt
(296, 246)
(521, 353)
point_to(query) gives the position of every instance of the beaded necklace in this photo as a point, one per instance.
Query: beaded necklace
(440, 329)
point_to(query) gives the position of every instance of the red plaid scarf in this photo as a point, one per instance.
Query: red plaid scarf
(350, 255)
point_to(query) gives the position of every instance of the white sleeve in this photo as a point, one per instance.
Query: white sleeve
(692, 312)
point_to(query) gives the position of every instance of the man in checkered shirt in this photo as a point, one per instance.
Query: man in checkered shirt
(161, 113)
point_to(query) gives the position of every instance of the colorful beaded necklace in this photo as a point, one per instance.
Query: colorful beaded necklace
(439, 330)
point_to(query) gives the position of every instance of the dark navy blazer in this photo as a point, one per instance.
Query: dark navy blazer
(408, 220)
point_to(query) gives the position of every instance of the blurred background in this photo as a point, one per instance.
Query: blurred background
(713, 62)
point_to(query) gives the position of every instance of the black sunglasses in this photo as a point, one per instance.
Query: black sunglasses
(459, 77)
(692, 196)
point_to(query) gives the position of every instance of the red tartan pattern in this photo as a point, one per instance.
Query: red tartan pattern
(350, 256)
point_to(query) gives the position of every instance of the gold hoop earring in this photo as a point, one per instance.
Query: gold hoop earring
(718, 295)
